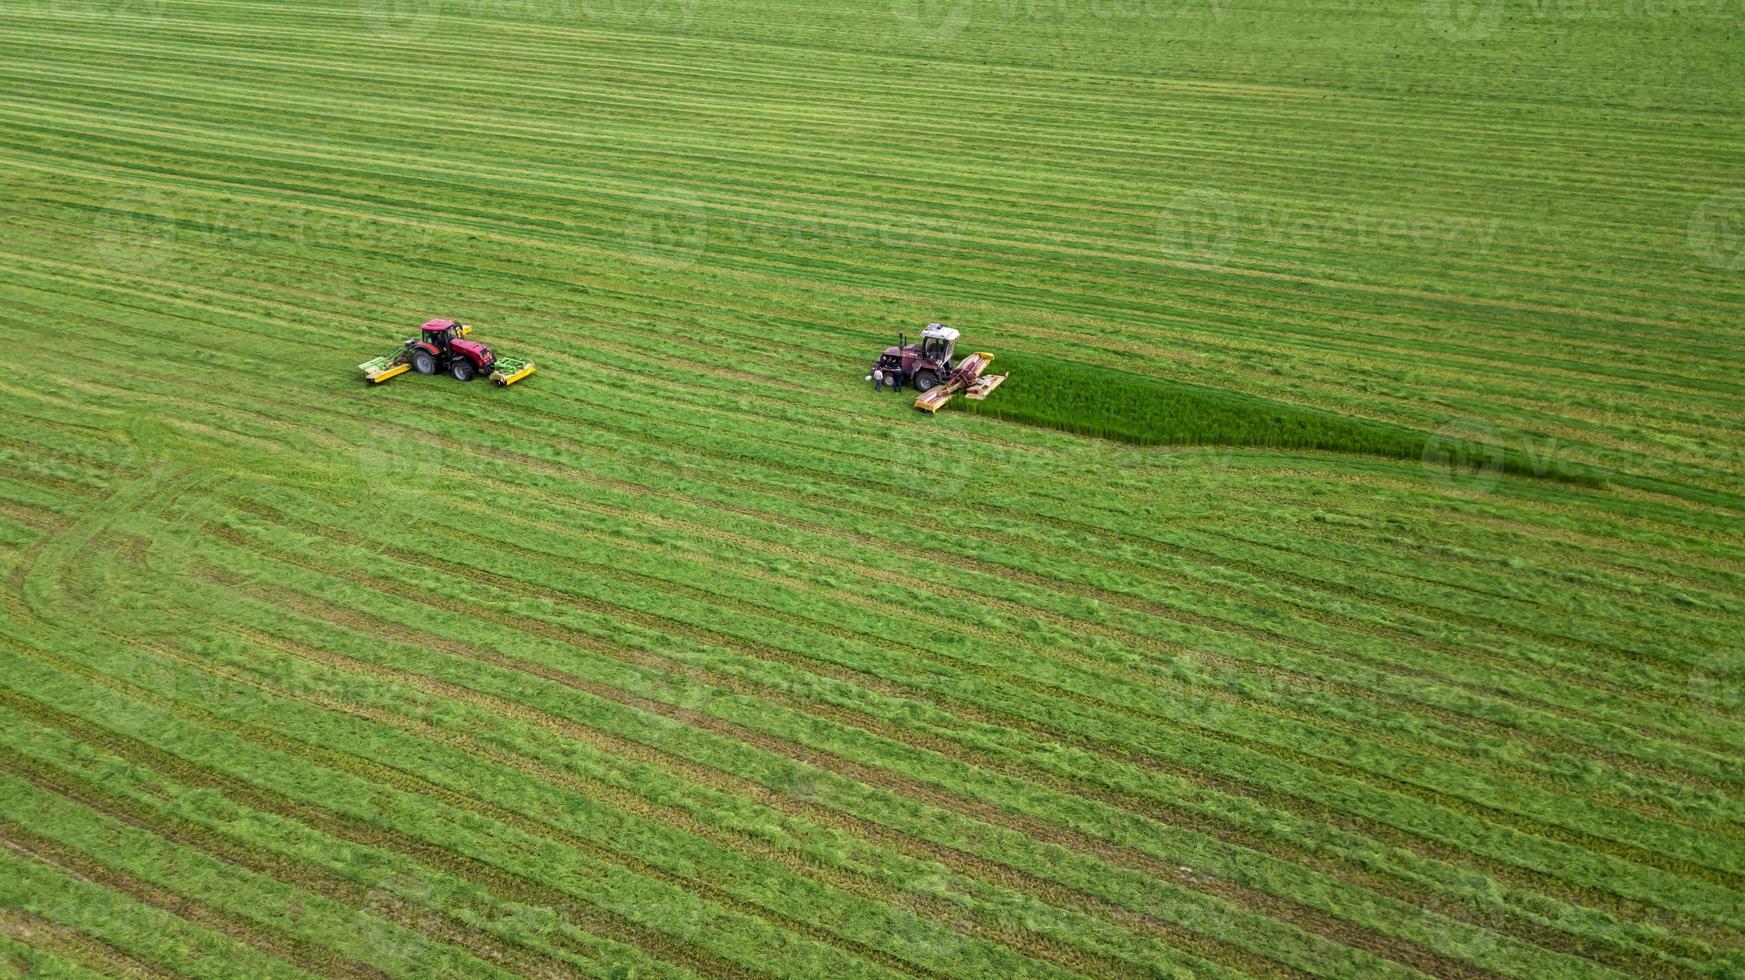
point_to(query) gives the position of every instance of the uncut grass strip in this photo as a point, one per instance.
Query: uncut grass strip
(1683, 891)
(791, 751)
(262, 759)
(139, 931)
(1683, 686)
(189, 883)
(331, 643)
(410, 895)
(32, 947)
(479, 900)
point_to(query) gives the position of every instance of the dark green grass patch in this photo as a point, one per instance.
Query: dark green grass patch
(1113, 404)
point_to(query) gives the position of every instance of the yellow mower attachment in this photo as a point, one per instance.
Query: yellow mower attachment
(509, 370)
(381, 369)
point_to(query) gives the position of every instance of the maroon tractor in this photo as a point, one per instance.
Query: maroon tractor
(923, 365)
(442, 346)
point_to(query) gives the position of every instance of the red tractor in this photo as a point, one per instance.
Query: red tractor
(443, 347)
(923, 365)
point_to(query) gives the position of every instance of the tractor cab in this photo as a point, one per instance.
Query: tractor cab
(923, 365)
(441, 333)
(937, 342)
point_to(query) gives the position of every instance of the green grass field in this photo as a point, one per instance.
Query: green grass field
(692, 656)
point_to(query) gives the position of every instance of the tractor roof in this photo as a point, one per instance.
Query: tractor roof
(940, 331)
(433, 326)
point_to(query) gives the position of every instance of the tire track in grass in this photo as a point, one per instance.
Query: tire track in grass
(339, 827)
(90, 952)
(268, 940)
(437, 925)
(411, 783)
(598, 919)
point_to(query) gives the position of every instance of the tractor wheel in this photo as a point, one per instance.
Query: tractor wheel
(926, 380)
(462, 369)
(423, 362)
